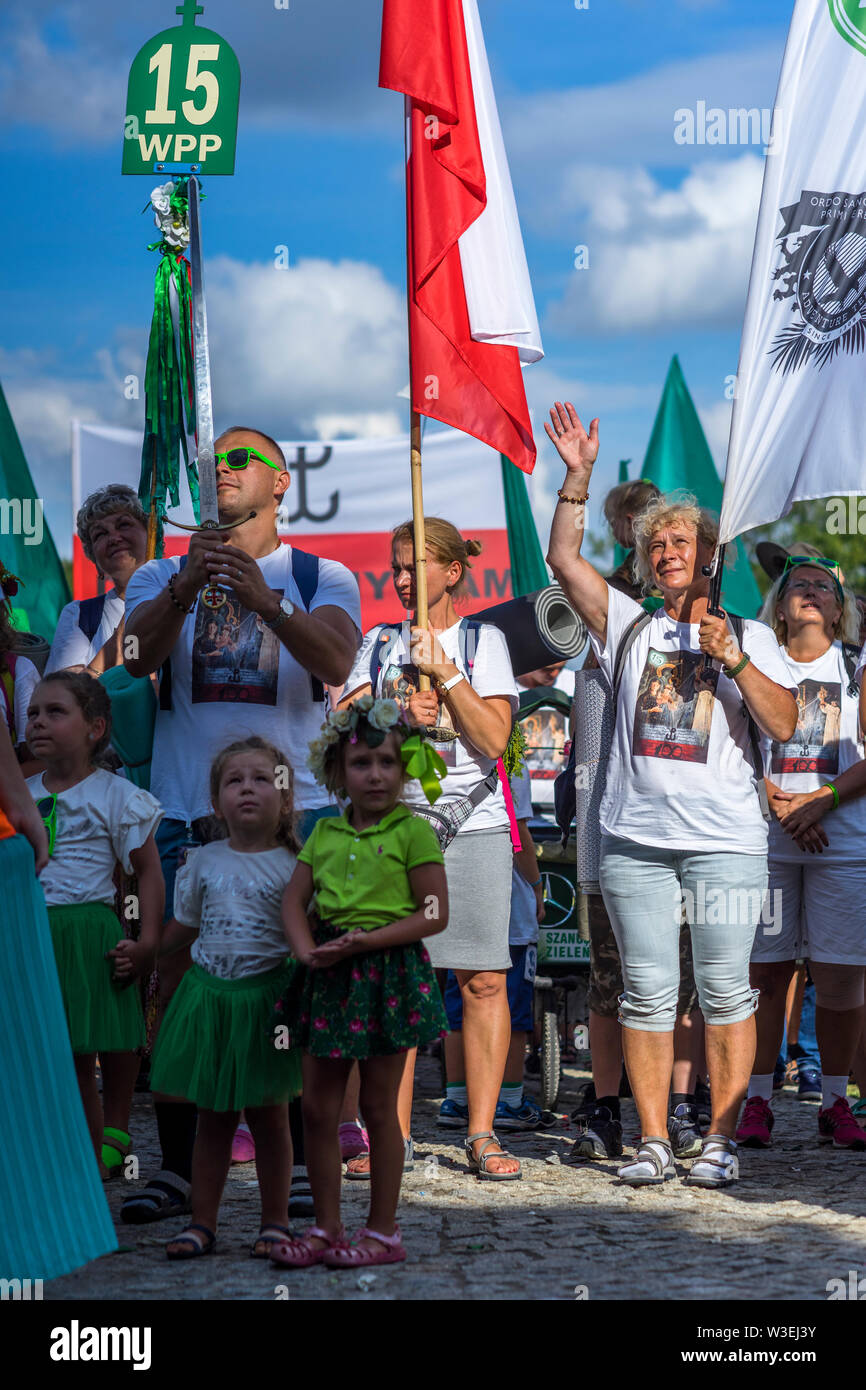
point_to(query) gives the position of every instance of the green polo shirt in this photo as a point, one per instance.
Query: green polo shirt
(361, 877)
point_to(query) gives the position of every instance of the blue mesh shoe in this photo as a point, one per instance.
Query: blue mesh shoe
(452, 1115)
(527, 1115)
(808, 1083)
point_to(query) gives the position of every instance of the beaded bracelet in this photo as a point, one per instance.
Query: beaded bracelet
(176, 601)
(576, 500)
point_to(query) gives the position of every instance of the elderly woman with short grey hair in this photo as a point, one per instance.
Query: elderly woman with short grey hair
(681, 817)
(112, 527)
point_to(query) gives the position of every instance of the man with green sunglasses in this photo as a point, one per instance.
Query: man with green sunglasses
(243, 620)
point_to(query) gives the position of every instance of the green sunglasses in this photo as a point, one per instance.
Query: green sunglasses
(240, 457)
(47, 808)
(820, 562)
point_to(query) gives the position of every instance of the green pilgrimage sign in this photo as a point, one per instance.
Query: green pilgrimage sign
(182, 101)
(849, 16)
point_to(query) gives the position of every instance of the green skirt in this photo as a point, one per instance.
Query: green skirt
(217, 1046)
(102, 1016)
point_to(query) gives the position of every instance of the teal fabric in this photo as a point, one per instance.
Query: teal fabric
(53, 1212)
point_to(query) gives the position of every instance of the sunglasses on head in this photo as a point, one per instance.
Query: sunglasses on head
(240, 457)
(819, 562)
(47, 808)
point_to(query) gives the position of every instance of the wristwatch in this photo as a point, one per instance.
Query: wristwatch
(285, 610)
(450, 684)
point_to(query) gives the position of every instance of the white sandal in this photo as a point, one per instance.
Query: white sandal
(718, 1165)
(653, 1165)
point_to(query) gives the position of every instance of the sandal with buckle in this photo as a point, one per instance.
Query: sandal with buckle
(355, 1256)
(265, 1237)
(718, 1165)
(480, 1161)
(166, 1194)
(652, 1166)
(297, 1253)
(358, 1168)
(196, 1247)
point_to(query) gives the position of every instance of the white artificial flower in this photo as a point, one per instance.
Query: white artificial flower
(340, 719)
(330, 734)
(384, 715)
(160, 200)
(364, 704)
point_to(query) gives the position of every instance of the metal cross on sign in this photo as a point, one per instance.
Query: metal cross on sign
(182, 102)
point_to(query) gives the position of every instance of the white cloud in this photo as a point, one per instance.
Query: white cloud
(320, 341)
(716, 420)
(659, 257)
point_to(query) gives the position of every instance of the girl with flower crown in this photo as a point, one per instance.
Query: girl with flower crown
(379, 883)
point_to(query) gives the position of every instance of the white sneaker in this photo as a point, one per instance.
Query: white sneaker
(653, 1165)
(718, 1165)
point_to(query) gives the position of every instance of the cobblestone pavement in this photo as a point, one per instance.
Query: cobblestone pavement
(794, 1221)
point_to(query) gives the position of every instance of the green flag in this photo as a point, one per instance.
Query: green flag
(619, 551)
(528, 570)
(26, 544)
(678, 456)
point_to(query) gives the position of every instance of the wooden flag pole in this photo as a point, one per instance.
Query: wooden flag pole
(419, 533)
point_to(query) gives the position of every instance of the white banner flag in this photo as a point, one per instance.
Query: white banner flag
(799, 423)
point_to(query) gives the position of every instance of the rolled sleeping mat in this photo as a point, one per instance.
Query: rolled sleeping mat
(593, 735)
(540, 628)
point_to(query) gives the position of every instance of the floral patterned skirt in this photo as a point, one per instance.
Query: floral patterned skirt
(370, 1005)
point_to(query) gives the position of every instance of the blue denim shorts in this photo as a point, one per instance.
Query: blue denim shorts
(520, 992)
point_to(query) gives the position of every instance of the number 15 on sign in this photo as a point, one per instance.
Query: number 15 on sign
(182, 101)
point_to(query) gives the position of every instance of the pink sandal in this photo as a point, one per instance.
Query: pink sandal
(343, 1256)
(299, 1254)
(354, 1140)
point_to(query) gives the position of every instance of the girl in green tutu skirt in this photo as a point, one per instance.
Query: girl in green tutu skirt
(95, 821)
(217, 1045)
(370, 994)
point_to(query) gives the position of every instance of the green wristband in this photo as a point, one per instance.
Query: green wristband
(835, 794)
(731, 671)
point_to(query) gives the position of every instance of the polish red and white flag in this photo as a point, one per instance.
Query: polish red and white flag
(472, 318)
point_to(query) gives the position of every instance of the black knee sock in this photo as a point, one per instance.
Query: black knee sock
(296, 1126)
(678, 1098)
(612, 1103)
(176, 1122)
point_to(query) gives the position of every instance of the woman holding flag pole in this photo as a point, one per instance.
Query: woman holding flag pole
(681, 818)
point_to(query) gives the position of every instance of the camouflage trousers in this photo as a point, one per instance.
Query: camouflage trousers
(605, 971)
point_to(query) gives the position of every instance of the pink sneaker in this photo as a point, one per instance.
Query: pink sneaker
(838, 1126)
(756, 1124)
(243, 1145)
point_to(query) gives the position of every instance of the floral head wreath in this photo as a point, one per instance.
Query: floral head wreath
(372, 720)
(9, 582)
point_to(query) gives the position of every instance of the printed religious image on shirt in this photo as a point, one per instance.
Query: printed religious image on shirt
(235, 657)
(400, 683)
(674, 710)
(815, 744)
(546, 733)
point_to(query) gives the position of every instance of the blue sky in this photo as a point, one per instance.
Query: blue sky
(587, 100)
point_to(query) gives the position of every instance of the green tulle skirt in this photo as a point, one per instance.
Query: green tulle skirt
(101, 1015)
(217, 1045)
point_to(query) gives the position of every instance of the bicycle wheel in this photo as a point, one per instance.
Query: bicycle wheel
(550, 1051)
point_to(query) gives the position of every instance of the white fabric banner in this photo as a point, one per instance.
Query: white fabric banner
(799, 422)
(495, 274)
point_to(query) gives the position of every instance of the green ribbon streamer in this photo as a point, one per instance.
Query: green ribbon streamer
(169, 396)
(423, 762)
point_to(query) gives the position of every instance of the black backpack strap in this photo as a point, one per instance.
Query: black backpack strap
(739, 626)
(90, 611)
(626, 642)
(305, 572)
(851, 657)
(165, 668)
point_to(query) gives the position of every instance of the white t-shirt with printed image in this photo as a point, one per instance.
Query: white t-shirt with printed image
(100, 821)
(26, 680)
(826, 742)
(235, 901)
(491, 675)
(231, 677)
(680, 773)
